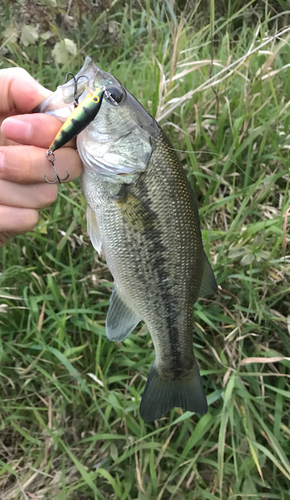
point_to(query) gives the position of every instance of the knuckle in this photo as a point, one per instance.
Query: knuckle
(25, 174)
(30, 165)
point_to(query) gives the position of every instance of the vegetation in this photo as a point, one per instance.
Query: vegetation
(218, 80)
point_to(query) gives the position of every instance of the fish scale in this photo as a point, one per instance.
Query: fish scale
(162, 259)
(142, 212)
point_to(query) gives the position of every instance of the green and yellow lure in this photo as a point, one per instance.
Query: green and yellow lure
(80, 118)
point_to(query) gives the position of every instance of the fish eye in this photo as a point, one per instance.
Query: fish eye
(115, 95)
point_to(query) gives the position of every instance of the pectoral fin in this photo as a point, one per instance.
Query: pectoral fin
(93, 229)
(121, 320)
(208, 282)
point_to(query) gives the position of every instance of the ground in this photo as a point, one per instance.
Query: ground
(218, 81)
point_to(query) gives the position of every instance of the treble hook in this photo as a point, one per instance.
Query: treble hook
(76, 99)
(57, 177)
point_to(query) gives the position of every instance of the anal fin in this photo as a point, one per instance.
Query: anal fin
(121, 320)
(208, 282)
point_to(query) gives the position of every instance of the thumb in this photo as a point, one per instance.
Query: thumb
(19, 91)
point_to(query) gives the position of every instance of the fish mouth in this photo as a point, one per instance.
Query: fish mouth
(94, 76)
(89, 77)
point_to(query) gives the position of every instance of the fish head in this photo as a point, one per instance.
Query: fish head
(122, 136)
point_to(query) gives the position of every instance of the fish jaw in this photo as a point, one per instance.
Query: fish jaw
(121, 139)
(76, 88)
(65, 94)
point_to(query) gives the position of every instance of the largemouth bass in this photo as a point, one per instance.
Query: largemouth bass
(142, 212)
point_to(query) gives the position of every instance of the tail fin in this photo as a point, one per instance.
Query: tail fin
(160, 396)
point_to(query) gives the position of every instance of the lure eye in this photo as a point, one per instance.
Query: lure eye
(115, 95)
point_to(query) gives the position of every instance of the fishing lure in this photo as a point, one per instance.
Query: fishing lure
(80, 118)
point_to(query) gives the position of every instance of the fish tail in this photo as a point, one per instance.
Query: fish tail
(160, 396)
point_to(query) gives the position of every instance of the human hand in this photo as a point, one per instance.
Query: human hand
(24, 140)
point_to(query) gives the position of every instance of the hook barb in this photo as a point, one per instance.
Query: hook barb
(57, 177)
(76, 81)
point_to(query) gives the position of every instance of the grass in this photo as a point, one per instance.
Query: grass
(69, 421)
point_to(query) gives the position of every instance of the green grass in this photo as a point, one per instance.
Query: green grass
(69, 420)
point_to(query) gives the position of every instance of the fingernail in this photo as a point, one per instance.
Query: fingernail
(16, 129)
